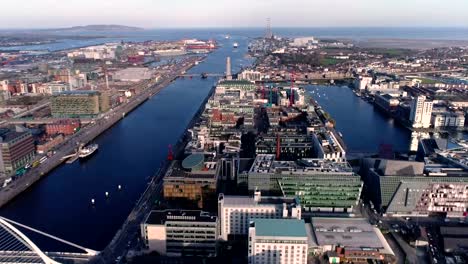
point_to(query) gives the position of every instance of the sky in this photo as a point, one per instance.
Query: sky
(234, 13)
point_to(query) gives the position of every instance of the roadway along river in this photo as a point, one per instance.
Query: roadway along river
(128, 154)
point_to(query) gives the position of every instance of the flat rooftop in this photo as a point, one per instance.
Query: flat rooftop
(280, 228)
(348, 232)
(78, 92)
(177, 172)
(241, 201)
(161, 217)
(266, 163)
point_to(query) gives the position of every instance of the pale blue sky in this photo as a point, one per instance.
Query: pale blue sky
(233, 13)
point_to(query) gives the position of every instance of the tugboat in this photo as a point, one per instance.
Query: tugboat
(87, 151)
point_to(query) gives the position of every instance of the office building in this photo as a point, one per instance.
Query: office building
(79, 104)
(66, 127)
(17, 149)
(362, 82)
(235, 212)
(387, 102)
(448, 119)
(192, 181)
(348, 240)
(250, 75)
(421, 112)
(48, 144)
(292, 145)
(180, 233)
(416, 198)
(278, 241)
(325, 193)
(266, 172)
(328, 146)
(384, 179)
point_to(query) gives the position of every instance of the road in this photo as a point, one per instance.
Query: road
(90, 132)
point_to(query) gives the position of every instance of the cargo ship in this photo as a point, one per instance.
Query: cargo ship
(87, 151)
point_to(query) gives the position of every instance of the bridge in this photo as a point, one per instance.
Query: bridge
(16, 247)
(32, 110)
(192, 75)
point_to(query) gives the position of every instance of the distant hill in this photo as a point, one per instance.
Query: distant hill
(96, 28)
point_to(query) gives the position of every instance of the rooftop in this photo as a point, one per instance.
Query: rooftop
(235, 82)
(79, 92)
(266, 163)
(348, 232)
(280, 228)
(241, 201)
(160, 217)
(7, 135)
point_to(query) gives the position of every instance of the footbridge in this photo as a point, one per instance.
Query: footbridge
(202, 75)
(16, 247)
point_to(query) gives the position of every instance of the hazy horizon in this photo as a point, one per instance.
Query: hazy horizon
(31, 14)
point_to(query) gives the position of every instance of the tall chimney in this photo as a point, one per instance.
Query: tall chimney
(228, 68)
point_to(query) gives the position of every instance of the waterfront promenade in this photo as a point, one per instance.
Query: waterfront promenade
(87, 134)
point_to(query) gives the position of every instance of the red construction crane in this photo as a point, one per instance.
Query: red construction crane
(170, 154)
(263, 91)
(278, 147)
(291, 96)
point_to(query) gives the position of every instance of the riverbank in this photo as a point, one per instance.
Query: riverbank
(86, 135)
(130, 228)
(406, 123)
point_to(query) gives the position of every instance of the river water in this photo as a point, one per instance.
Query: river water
(128, 154)
(132, 150)
(363, 127)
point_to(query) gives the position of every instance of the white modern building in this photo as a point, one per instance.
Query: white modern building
(54, 87)
(236, 212)
(328, 147)
(4, 85)
(250, 75)
(180, 233)
(448, 119)
(303, 41)
(362, 82)
(421, 112)
(100, 52)
(282, 241)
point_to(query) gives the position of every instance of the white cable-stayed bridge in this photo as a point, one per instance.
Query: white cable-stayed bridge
(16, 247)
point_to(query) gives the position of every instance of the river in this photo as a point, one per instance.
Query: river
(363, 127)
(132, 150)
(129, 153)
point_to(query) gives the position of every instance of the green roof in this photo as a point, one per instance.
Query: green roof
(280, 227)
(193, 161)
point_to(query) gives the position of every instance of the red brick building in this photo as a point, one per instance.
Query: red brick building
(65, 126)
